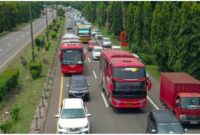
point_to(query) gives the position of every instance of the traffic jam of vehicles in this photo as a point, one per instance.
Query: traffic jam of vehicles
(124, 81)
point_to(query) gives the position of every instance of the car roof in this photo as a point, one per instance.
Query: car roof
(164, 116)
(98, 47)
(78, 77)
(92, 41)
(106, 38)
(72, 103)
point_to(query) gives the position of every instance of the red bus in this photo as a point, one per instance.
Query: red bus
(124, 79)
(72, 58)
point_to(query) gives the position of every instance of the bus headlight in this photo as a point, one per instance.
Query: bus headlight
(116, 100)
(182, 117)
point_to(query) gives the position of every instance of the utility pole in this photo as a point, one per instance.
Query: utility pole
(47, 25)
(52, 11)
(32, 42)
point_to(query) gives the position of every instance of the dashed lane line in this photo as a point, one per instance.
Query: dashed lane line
(89, 60)
(104, 99)
(95, 76)
(157, 108)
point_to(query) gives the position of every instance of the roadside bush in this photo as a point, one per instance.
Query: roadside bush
(8, 81)
(55, 29)
(146, 58)
(53, 35)
(47, 46)
(6, 126)
(35, 69)
(39, 41)
(15, 112)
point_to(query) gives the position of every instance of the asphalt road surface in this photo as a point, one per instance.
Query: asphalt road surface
(12, 43)
(104, 119)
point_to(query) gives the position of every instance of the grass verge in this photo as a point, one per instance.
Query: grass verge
(153, 70)
(29, 95)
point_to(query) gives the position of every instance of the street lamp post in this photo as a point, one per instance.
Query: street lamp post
(32, 42)
(47, 25)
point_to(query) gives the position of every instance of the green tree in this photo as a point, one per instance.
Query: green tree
(173, 48)
(117, 25)
(129, 23)
(138, 33)
(60, 12)
(189, 39)
(101, 13)
(159, 34)
(147, 19)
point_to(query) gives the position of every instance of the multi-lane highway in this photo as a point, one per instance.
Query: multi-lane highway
(12, 43)
(104, 119)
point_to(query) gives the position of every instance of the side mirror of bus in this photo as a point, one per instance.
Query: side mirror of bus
(59, 55)
(111, 86)
(149, 85)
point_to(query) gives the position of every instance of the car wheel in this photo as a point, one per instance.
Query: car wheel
(146, 130)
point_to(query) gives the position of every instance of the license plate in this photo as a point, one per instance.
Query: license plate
(193, 122)
(129, 104)
(72, 71)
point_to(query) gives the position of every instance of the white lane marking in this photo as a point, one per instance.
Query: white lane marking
(99, 42)
(16, 39)
(89, 60)
(9, 44)
(104, 99)
(157, 108)
(0, 50)
(95, 76)
(20, 48)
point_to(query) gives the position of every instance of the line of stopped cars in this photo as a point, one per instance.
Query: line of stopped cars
(183, 104)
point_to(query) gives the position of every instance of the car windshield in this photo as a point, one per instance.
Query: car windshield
(97, 50)
(191, 102)
(129, 73)
(84, 32)
(72, 56)
(81, 83)
(106, 40)
(170, 128)
(72, 113)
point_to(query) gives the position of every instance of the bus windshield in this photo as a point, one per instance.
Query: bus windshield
(129, 73)
(84, 32)
(129, 89)
(72, 56)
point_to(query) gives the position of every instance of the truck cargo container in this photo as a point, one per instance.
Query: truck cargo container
(181, 94)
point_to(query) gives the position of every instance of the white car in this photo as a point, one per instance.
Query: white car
(98, 35)
(106, 42)
(94, 31)
(96, 52)
(73, 117)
